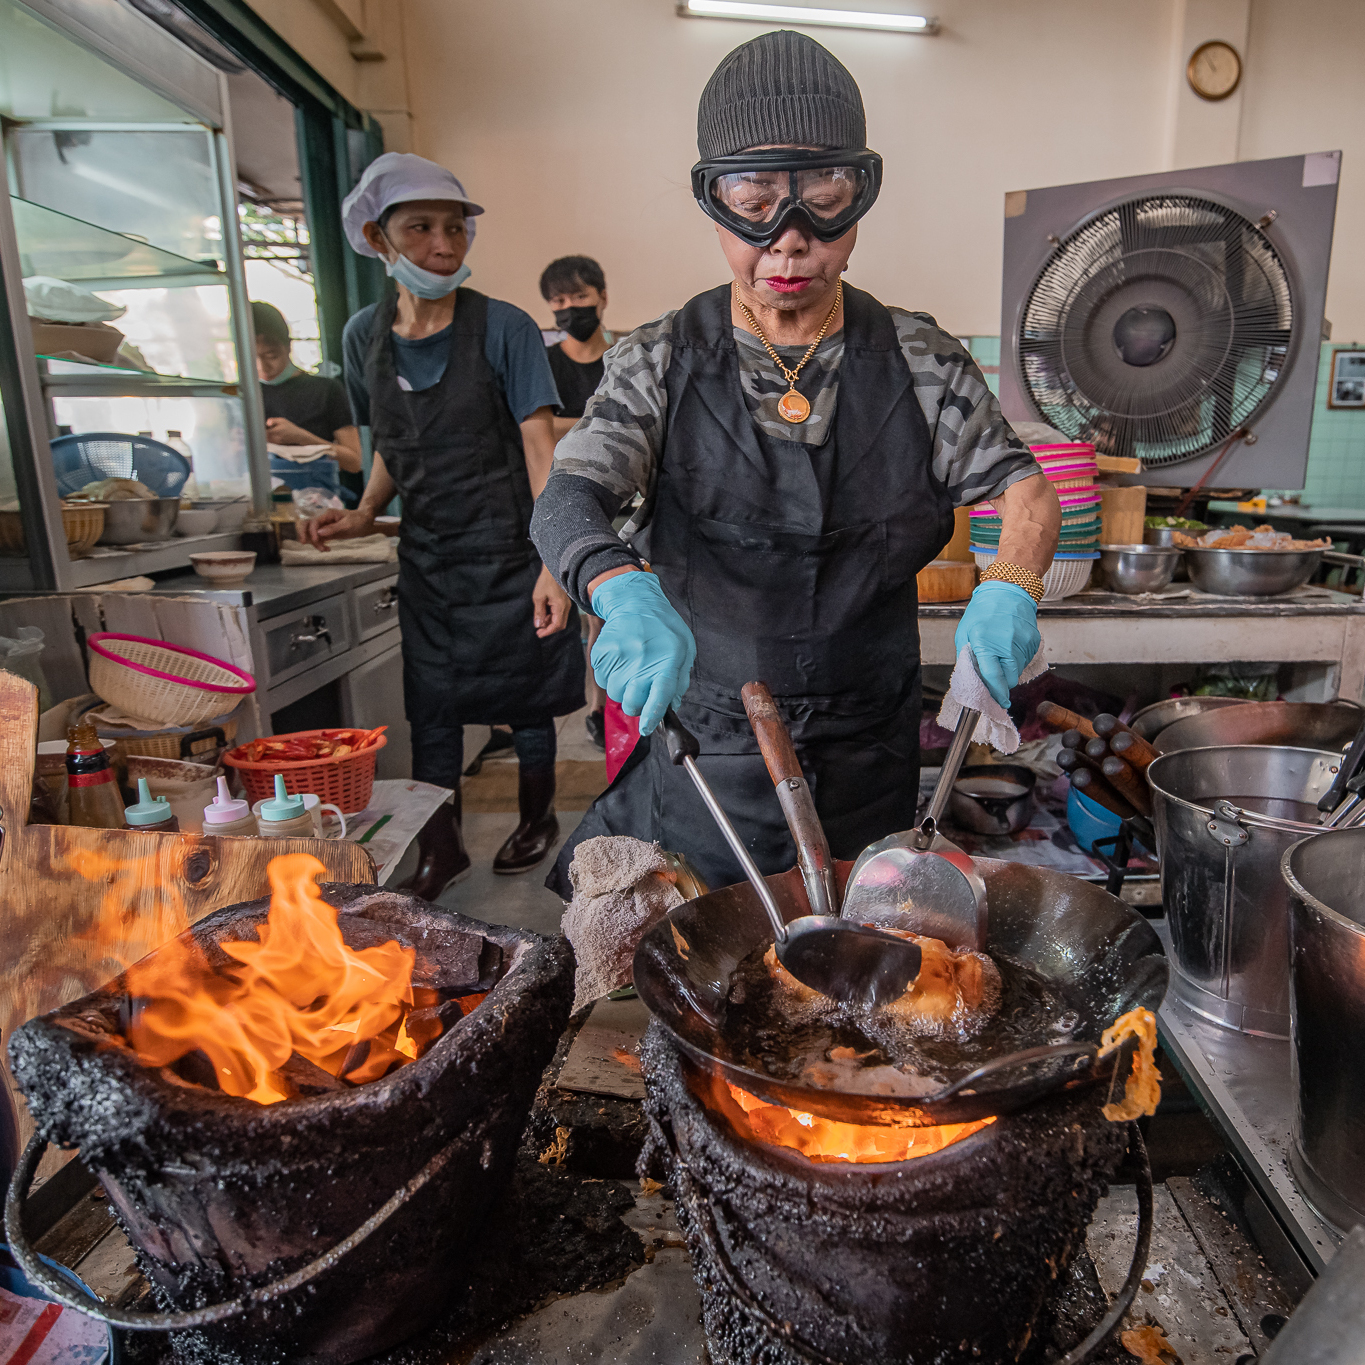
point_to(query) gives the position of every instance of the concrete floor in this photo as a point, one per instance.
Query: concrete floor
(522, 900)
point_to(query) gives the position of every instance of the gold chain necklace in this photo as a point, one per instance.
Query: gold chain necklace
(792, 406)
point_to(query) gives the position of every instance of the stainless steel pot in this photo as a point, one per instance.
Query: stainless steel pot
(1327, 1004)
(1153, 719)
(1224, 818)
(1299, 724)
(1165, 535)
(133, 520)
(1258, 573)
(993, 798)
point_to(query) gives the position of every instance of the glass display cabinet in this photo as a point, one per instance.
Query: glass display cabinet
(119, 182)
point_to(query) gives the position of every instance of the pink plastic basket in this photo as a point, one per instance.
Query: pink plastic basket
(166, 683)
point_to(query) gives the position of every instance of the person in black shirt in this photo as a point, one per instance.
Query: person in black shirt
(303, 409)
(576, 289)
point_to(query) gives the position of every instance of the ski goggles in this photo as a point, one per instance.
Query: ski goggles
(755, 195)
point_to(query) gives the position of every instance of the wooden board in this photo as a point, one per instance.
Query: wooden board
(63, 887)
(946, 580)
(1122, 511)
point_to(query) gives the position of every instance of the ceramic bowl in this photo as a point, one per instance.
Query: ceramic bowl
(224, 568)
(199, 522)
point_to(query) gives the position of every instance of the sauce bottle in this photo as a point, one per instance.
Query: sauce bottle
(151, 812)
(227, 814)
(92, 790)
(285, 816)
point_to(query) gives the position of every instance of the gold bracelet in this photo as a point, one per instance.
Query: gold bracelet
(1003, 572)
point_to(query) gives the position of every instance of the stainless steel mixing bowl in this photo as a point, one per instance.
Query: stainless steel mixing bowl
(1258, 573)
(1138, 568)
(134, 520)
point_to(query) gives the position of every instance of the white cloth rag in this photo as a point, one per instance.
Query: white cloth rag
(965, 688)
(375, 549)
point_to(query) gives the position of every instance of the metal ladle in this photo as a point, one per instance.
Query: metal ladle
(850, 963)
(918, 880)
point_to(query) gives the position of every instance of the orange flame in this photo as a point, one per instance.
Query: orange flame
(821, 1139)
(300, 990)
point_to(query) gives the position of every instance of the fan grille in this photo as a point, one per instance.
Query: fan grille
(1157, 328)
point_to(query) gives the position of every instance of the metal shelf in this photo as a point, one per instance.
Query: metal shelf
(117, 562)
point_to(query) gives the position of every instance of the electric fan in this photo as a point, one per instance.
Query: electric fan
(1162, 316)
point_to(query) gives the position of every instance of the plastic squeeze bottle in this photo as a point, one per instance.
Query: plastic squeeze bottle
(151, 812)
(285, 816)
(227, 814)
(92, 791)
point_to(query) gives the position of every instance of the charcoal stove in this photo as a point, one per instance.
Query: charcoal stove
(947, 1256)
(327, 1227)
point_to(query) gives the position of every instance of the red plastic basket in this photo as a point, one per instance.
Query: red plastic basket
(345, 782)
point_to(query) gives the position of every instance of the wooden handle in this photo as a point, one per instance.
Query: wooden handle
(1127, 783)
(774, 743)
(1100, 792)
(1073, 760)
(1059, 718)
(1133, 749)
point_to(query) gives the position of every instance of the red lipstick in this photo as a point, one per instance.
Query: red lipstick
(788, 284)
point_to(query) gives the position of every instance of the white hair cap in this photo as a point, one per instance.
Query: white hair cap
(398, 178)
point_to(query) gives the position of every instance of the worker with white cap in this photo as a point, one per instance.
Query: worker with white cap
(458, 395)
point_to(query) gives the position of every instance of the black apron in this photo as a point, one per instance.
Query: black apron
(794, 565)
(466, 565)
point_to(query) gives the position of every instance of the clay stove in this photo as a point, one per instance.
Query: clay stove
(221, 1194)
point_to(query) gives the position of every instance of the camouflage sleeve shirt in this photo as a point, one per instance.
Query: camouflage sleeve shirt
(613, 453)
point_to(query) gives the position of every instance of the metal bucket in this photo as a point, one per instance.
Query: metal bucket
(1224, 818)
(1327, 997)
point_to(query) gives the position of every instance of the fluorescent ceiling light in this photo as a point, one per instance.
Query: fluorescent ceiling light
(801, 14)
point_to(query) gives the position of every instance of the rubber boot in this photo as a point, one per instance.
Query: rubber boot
(443, 859)
(529, 844)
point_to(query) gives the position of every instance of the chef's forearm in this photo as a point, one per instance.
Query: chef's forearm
(379, 491)
(572, 530)
(538, 443)
(1030, 518)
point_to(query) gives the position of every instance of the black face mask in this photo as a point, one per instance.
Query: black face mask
(580, 321)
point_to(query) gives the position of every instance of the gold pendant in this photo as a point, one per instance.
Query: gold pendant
(793, 407)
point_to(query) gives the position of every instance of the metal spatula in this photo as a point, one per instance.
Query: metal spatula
(918, 880)
(848, 962)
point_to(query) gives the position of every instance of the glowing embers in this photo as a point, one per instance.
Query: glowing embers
(821, 1139)
(296, 1012)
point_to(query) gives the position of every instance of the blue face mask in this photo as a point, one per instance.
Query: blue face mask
(426, 284)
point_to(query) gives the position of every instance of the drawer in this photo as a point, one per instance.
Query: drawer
(306, 637)
(377, 606)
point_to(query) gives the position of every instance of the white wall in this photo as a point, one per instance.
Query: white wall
(574, 123)
(1305, 75)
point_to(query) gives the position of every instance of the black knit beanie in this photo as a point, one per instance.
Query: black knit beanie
(781, 88)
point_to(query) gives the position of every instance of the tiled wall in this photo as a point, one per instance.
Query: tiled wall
(1336, 448)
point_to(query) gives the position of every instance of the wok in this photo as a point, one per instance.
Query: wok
(1100, 955)
(1153, 719)
(1299, 724)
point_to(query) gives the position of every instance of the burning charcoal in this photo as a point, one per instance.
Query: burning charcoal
(196, 1068)
(307, 1078)
(425, 1026)
(356, 1056)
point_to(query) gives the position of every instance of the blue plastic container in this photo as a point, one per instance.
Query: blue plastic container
(1089, 820)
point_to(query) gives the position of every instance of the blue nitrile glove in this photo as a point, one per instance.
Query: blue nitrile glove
(1001, 625)
(643, 657)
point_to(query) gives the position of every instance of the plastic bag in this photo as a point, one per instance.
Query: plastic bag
(20, 655)
(313, 502)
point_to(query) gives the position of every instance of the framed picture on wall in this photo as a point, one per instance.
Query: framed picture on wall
(1347, 387)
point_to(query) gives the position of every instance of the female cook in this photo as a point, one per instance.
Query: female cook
(800, 449)
(459, 399)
